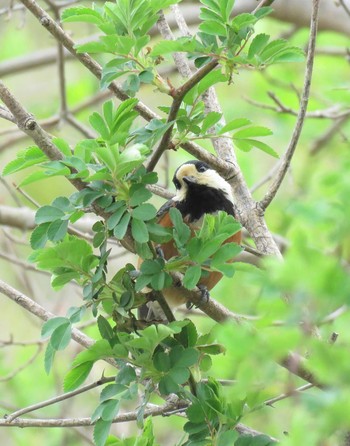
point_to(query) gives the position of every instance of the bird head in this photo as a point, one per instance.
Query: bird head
(196, 178)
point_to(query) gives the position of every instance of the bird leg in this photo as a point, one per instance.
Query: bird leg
(205, 295)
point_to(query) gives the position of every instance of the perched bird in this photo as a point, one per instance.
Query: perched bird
(200, 190)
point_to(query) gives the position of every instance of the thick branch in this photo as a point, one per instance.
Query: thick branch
(286, 160)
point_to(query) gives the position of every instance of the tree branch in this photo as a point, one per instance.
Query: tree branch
(329, 113)
(286, 160)
(70, 422)
(37, 310)
(104, 380)
(5, 114)
(178, 95)
(96, 70)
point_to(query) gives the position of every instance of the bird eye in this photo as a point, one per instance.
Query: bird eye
(202, 168)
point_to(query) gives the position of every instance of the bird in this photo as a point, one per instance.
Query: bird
(200, 190)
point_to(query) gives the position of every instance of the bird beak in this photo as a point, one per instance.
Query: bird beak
(190, 180)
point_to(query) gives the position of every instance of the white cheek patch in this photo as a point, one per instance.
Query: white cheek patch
(182, 192)
(212, 179)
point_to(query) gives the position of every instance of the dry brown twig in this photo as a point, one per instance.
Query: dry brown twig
(288, 155)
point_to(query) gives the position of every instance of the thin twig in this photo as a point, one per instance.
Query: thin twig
(333, 112)
(286, 160)
(5, 114)
(178, 96)
(70, 422)
(22, 264)
(322, 140)
(65, 396)
(283, 396)
(16, 371)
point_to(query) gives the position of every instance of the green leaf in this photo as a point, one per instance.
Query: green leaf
(57, 230)
(214, 28)
(101, 431)
(60, 280)
(75, 377)
(226, 252)
(121, 228)
(139, 194)
(111, 390)
(167, 385)
(39, 237)
(99, 350)
(49, 357)
(205, 363)
(105, 329)
(159, 233)
(250, 440)
(242, 21)
(182, 44)
(38, 176)
(211, 349)
(292, 54)
(61, 336)
(189, 335)
(259, 145)
(63, 146)
(187, 358)
(210, 120)
(131, 158)
(161, 280)
(227, 438)
(92, 47)
(252, 131)
(152, 266)
(146, 77)
(179, 374)
(234, 124)
(142, 281)
(110, 410)
(115, 218)
(273, 48)
(50, 326)
(99, 125)
(212, 78)
(262, 12)
(183, 232)
(126, 375)
(161, 362)
(25, 158)
(192, 276)
(48, 214)
(258, 44)
(144, 212)
(139, 230)
(82, 14)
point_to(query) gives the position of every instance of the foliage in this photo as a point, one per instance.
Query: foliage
(176, 358)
